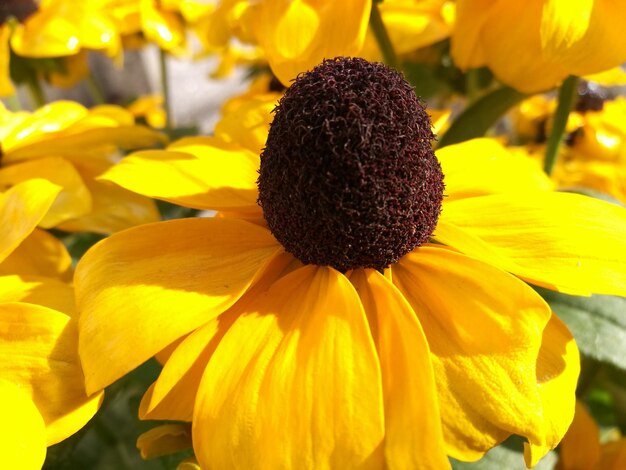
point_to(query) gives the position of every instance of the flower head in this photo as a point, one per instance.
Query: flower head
(348, 177)
(278, 363)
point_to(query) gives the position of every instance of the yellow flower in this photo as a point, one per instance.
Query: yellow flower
(534, 45)
(581, 448)
(71, 146)
(162, 22)
(63, 27)
(55, 29)
(595, 156)
(283, 364)
(42, 394)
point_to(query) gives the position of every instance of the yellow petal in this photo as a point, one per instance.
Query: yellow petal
(511, 43)
(160, 26)
(158, 282)
(484, 166)
(580, 448)
(585, 36)
(31, 128)
(466, 45)
(23, 432)
(73, 201)
(411, 25)
(245, 121)
(408, 381)
(38, 352)
(612, 77)
(6, 86)
(22, 207)
(484, 329)
(561, 241)
(172, 396)
(297, 35)
(295, 382)
(38, 290)
(164, 440)
(203, 173)
(40, 254)
(113, 208)
(189, 464)
(558, 367)
(46, 34)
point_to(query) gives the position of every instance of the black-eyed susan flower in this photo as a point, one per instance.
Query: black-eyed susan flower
(321, 328)
(534, 45)
(581, 448)
(42, 394)
(70, 146)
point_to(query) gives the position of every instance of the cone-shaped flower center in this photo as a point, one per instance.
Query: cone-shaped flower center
(348, 177)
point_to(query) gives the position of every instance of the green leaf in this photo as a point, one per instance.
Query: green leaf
(598, 324)
(478, 118)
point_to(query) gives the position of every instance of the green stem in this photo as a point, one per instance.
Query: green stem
(165, 88)
(567, 93)
(36, 92)
(14, 103)
(94, 89)
(382, 37)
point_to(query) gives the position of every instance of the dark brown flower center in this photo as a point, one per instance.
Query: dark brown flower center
(348, 177)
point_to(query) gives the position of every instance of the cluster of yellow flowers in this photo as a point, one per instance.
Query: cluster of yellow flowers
(357, 281)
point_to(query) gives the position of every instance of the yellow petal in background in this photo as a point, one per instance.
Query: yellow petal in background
(297, 35)
(46, 34)
(561, 241)
(484, 166)
(585, 36)
(484, 328)
(558, 367)
(38, 290)
(411, 25)
(22, 207)
(161, 26)
(164, 440)
(73, 201)
(307, 339)
(113, 208)
(580, 448)
(409, 390)
(23, 432)
(245, 120)
(158, 282)
(38, 352)
(203, 173)
(466, 46)
(6, 86)
(39, 254)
